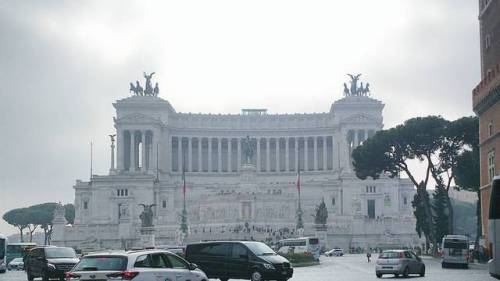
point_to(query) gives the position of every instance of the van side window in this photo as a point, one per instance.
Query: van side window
(215, 250)
(143, 261)
(239, 251)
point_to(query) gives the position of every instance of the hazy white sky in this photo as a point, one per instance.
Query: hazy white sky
(62, 64)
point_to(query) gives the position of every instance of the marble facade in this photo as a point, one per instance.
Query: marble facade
(227, 199)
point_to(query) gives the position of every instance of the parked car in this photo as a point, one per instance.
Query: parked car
(16, 264)
(399, 262)
(239, 260)
(139, 265)
(49, 262)
(337, 252)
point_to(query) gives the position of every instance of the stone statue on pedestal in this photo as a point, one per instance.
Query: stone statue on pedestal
(248, 149)
(147, 215)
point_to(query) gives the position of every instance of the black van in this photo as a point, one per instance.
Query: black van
(49, 262)
(239, 260)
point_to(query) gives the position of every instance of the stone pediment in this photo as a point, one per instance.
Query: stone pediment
(136, 118)
(360, 118)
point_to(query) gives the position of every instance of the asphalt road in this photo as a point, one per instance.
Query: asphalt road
(354, 268)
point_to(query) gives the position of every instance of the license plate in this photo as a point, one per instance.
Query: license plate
(283, 272)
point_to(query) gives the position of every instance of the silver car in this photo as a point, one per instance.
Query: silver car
(16, 264)
(399, 262)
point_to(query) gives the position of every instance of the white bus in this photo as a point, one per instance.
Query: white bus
(494, 228)
(3, 253)
(455, 251)
(300, 245)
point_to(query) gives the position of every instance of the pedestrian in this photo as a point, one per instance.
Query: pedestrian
(368, 255)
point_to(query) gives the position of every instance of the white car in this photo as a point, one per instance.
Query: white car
(135, 265)
(16, 264)
(334, 252)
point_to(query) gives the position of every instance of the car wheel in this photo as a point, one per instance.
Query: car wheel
(422, 271)
(396, 275)
(466, 266)
(256, 276)
(443, 265)
(406, 272)
(379, 275)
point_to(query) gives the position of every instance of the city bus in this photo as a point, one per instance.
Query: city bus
(455, 251)
(300, 245)
(3, 252)
(18, 250)
(494, 228)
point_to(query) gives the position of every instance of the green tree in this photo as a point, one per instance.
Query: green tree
(467, 170)
(420, 200)
(17, 218)
(440, 212)
(389, 151)
(69, 213)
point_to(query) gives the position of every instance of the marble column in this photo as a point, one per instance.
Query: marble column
(190, 154)
(238, 161)
(219, 155)
(132, 151)
(356, 141)
(306, 153)
(179, 154)
(143, 152)
(315, 156)
(112, 166)
(277, 150)
(287, 154)
(257, 159)
(120, 149)
(268, 157)
(209, 154)
(229, 155)
(325, 153)
(200, 155)
(296, 139)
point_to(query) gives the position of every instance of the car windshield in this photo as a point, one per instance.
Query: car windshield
(102, 263)
(52, 253)
(259, 249)
(389, 255)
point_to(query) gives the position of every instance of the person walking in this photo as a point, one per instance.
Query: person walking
(368, 255)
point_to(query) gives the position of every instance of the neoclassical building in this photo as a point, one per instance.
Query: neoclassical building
(228, 198)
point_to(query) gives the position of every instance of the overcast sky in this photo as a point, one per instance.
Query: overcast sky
(62, 64)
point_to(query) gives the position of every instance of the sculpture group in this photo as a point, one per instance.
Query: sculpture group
(138, 90)
(354, 90)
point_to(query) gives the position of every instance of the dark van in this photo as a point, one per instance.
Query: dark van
(239, 260)
(49, 262)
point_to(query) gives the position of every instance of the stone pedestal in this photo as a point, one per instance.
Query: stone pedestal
(147, 237)
(248, 178)
(321, 234)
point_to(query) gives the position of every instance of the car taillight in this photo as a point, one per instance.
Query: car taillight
(72, 276)
(125, 275)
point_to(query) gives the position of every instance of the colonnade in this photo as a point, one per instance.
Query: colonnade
(271, 154)
(135, 150)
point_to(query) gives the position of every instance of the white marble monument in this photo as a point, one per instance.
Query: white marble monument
(229, 196)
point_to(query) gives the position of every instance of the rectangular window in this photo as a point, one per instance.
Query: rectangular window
(164, 204)
(85, 205)
(491, 165)
(371, 209)
(490, 129)
(405, 201)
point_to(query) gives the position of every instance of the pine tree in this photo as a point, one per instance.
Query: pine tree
(440, 212)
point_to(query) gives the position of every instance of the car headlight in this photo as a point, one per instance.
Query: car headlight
(51, 266)
(269, 266)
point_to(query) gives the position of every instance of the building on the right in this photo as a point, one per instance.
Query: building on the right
(486, 101)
